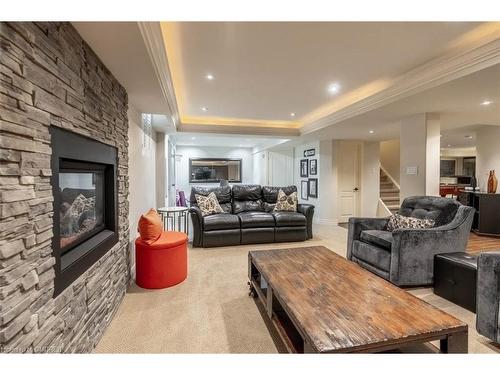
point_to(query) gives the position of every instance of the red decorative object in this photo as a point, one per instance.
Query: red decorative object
(163, 263)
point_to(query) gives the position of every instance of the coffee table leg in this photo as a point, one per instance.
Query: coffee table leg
(455, 343)
(269, 301)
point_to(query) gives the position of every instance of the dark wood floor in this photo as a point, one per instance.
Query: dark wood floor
(478, 244)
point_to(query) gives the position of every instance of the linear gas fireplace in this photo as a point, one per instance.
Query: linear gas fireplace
(84, 175)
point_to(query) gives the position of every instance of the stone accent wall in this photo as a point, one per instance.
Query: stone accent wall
(50, 76)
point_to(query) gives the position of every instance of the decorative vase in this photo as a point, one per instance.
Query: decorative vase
(492, 183)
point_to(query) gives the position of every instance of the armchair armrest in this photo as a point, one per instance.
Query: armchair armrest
(308, 211)
(488, 295)
(197, 219)
(357, 225)
(413, 250)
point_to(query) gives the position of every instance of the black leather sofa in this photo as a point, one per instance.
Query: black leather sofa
(248, 217)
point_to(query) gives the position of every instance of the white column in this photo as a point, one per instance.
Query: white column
(420, 155)
(488, 154)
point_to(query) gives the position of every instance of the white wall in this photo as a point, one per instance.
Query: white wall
(370, 178)
(260, 172)
(325, 211)
(488, 154)
(141, 171)
(389, 158)
(184, 153)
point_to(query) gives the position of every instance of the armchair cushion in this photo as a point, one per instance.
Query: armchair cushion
(441, 210)
(373, 255)
(380, 238)
(397, 221)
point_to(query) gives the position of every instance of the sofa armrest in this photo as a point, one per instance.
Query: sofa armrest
(358, 224)
(488, 295)
(308, 211)
(197, 220)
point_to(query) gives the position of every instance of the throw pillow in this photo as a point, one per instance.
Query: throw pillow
(150, 226)
(209, 204)
(397, 221)
(286, 202)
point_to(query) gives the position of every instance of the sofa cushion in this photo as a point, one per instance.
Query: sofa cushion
(247, 192)
(223, 193)
(209, 205)
(246, 206)
(286, 202)
(372, 254)
(289, 219)
(256, 220)
(221, 221)
(270, 193)
(380, 238)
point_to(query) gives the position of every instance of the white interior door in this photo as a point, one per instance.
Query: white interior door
(348, 180)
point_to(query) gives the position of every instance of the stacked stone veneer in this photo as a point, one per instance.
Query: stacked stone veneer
(50, 76)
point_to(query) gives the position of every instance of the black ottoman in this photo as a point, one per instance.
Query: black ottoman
(455, 278)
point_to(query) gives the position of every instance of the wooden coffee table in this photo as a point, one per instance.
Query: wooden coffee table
(318, 302)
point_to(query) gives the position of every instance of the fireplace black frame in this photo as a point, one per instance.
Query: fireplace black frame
(84, 153)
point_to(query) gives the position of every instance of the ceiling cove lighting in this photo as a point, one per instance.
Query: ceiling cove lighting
(486, 102)
(204, 109)
(210, 77)
(333, 88)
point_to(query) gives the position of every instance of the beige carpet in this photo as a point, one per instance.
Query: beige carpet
(211, 312)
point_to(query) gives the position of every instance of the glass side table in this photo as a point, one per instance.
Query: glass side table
(175, 218)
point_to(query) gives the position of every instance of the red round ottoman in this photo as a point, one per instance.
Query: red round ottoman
(163, 263)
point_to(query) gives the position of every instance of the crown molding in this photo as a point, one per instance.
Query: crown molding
(432, 74)
(228, 129)
(153, 39)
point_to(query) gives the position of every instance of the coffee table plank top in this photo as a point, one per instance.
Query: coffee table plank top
(338, 305)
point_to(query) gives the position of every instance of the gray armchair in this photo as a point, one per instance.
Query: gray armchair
(405, 257)
(488, 296)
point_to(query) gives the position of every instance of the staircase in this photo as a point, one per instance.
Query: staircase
(389, 192)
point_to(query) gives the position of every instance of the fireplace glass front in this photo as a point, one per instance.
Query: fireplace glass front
(81, 210)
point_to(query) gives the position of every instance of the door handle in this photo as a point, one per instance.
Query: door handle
(355, 189)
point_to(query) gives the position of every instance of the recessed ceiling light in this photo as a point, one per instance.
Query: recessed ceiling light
(204, 109)
(371, 131)
(210, 77)
(486, 102)
(333, 88)
(292, 114)
(468, 137)
(449, 145)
